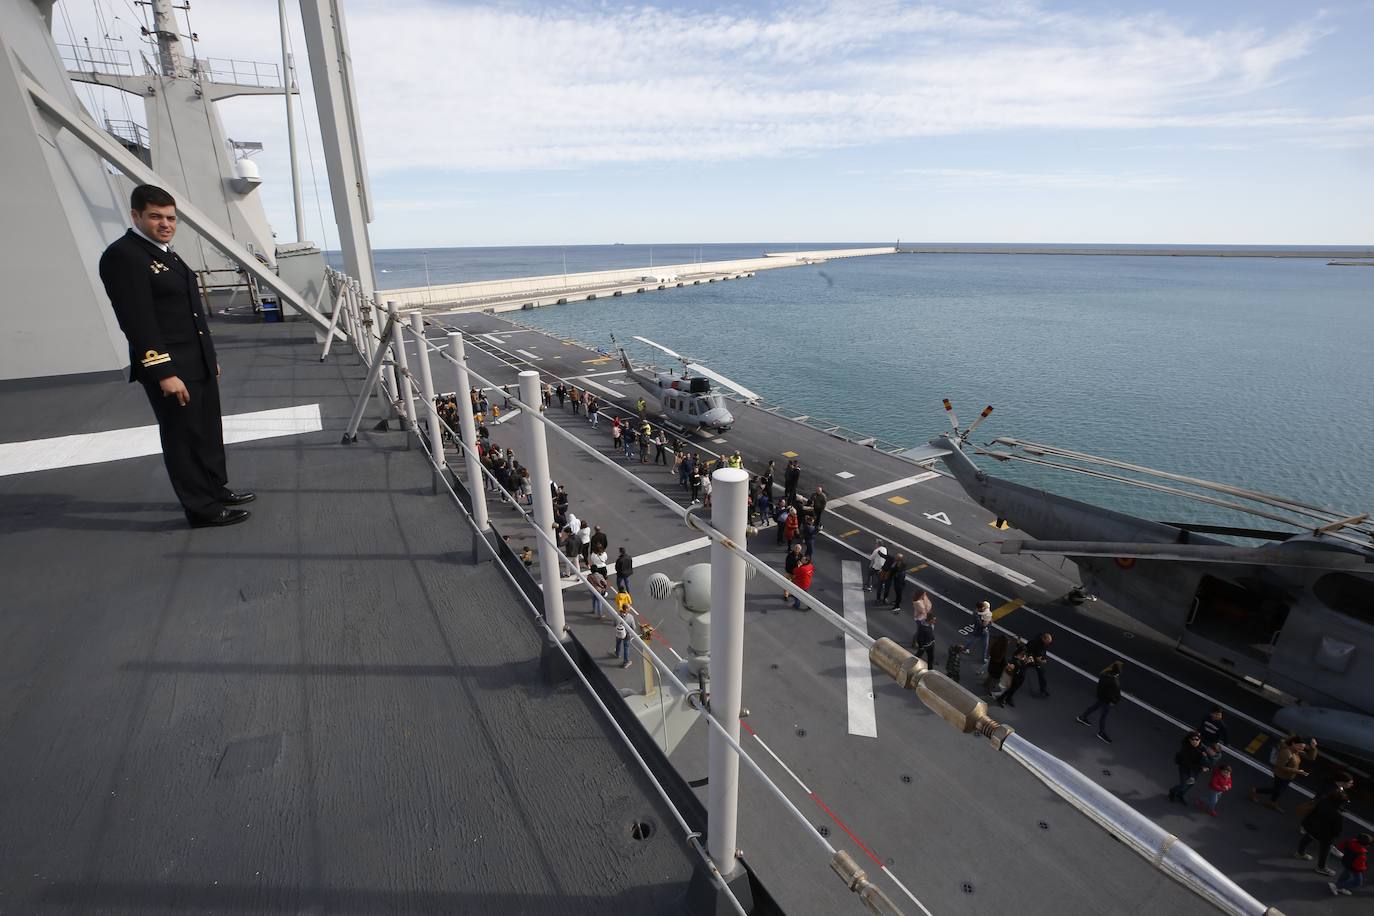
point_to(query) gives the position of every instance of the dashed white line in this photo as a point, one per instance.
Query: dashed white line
(880, 489)
(526, 353)
(858, 671)
(843, 475)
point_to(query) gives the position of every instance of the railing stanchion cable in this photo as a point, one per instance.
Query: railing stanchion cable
(477, 490)
(402, 369)
(436, 439)
(541, 487)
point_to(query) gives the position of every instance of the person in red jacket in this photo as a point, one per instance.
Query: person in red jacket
(801, 578)
(1220, 783)
(1354, 864)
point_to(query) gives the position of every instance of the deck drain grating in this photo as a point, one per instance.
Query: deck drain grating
(641, 830)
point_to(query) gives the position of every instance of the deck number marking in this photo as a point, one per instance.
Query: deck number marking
(938, 517)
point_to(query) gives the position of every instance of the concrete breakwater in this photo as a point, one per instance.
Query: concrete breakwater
(1160, 251)
(534, 292)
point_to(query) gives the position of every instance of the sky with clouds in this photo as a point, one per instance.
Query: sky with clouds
(579, 123)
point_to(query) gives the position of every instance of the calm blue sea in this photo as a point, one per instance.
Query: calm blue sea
(1250, 371)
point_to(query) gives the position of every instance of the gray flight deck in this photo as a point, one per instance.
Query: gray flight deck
(961, 828)
(329, 709)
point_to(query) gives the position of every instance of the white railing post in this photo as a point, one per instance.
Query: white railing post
(398, 353)
(477, 488)
(729, 515)
(540, 478)
(436, 436)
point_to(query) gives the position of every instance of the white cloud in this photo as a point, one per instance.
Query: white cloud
(1058, 180)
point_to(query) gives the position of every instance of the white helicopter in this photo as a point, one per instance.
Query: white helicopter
(686, 400)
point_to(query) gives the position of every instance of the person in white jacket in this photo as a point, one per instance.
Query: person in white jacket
(875, 565)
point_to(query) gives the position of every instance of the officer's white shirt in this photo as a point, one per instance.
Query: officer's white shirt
(154, 241)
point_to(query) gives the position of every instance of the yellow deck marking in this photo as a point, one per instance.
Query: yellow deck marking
(1002, 527)
(789, 454)
(848, 534)
(1256, 744)
(917, 568)
(1007, 608)
(898, 500)
(567, 343)
(600, 360)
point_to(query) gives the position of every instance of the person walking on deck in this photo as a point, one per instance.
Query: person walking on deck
(1213, 729)
(622, 643)
(801, 578)
(1192, 759)
(790, 478)
(615, 434)
(876, 559)
(923, 643)
(982, 632)
(1218, 785)
(898, 581)
(790, 564)
(1038, 651)
(1108, 695)
(624, 568)
(1323, 824)
(1286, 763)
(1354, 864)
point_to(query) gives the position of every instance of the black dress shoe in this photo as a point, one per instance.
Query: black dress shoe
(223, 518)
(230, 498)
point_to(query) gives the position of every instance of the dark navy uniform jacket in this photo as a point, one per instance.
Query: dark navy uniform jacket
(158, 304)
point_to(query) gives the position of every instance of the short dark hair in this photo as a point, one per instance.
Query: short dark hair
(150, 195)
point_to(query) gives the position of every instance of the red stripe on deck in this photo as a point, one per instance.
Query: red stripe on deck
(817, 799)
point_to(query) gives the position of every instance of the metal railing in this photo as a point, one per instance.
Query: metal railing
(130, 133)
(950, 701)
(89, 58)
(260, 74)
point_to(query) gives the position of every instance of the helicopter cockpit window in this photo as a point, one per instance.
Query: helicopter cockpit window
(1347, 594)
(692, 408)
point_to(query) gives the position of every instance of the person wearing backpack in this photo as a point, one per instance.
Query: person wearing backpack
(1286, 761)
(1354, 864)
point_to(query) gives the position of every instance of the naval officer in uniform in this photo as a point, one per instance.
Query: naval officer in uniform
(158, 304)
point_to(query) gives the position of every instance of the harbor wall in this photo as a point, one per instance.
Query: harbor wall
(483, 290)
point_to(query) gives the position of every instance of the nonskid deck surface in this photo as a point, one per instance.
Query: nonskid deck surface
(329, 709)
(942, 811)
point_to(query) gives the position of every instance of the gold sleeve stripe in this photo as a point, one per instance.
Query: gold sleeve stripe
(154, 358)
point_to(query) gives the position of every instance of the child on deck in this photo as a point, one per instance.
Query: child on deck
(1354, 864)
(1220, 783)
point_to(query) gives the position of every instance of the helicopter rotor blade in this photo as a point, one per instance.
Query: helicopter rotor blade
(953, 418)
(748, 395)
(673, 353)
(987, 412)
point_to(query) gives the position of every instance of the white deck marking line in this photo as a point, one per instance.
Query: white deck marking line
(804, 787)
(526, 353)
(663, 553)
(887, 871)
(493, 338)
(843, 475)
(513, 412)
(599, 387)
(1239, 756)
(140, 441)
(963, 553)
(858, 672)
(881, 489)
(607, 372)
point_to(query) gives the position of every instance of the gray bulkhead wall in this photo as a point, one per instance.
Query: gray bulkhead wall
(62, 207)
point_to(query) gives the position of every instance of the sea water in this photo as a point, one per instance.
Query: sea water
(1249, 371)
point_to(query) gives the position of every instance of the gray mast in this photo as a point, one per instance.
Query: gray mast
(288, 84)
(170, 57)
(327, 41)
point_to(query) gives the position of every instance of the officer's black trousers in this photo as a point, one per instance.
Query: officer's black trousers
(193, 445)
